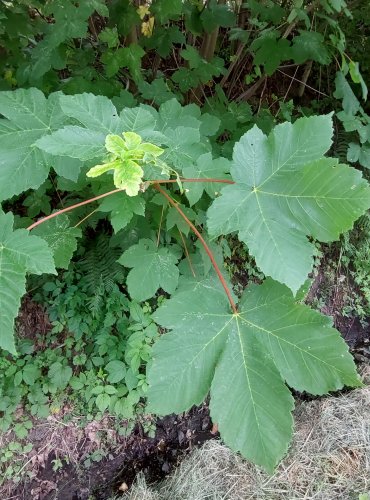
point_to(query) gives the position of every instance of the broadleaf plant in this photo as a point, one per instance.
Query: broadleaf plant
(244, 360)
(283, 193)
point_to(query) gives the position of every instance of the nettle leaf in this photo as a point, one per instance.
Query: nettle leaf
(244, 360)
(153, 268)
(60, 237)
(122, 208)
(20, 253)
(285, 191)
(28, 116)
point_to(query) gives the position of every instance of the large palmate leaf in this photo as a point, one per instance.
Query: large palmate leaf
(97, 117)
(243, 360)
(285, 191)
(152, 267)
(60, 237)
(28, 116)
(20, 253)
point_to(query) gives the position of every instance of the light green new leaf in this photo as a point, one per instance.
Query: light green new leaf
(285, 191)
(243, 360)
(28, 116)
(20, 253)
(122, 208)
(153, 268)
(60, 237)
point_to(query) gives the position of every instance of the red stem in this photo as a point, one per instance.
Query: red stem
(206, 247)
(168, 181)
(90, 200)
(72, 207)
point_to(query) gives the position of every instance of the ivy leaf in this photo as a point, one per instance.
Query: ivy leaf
(20, 253)
(206, 167)
(28, 116)
(285, 191)
(243, 360)
(153, 268)
(60, 237)
(122, 208)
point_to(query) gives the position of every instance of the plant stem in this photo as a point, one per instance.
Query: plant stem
(168, 181)
(90, 200)
(72, 207)
(206, 247)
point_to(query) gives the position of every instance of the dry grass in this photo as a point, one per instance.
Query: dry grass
(329, 460)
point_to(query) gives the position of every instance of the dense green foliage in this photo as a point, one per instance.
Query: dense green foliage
(158, 163)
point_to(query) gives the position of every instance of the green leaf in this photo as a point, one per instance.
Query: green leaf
(163, 40)
(92, 111)
(122, 208)
(206, 167)
(354, 70)
(76, 142)
(153, 268)
(216, 14)
(243, 360)
(124, 57)
(164, 10)
(285, 191)
(60, 374)
(60, 237)
(310, 45)
(359, 153)
(156, 91)
(270, 50)
(20, 253)
(102, 401)
(30, 374)
(343, 91)
(116, 370)
(28, 116)
(109, 36)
